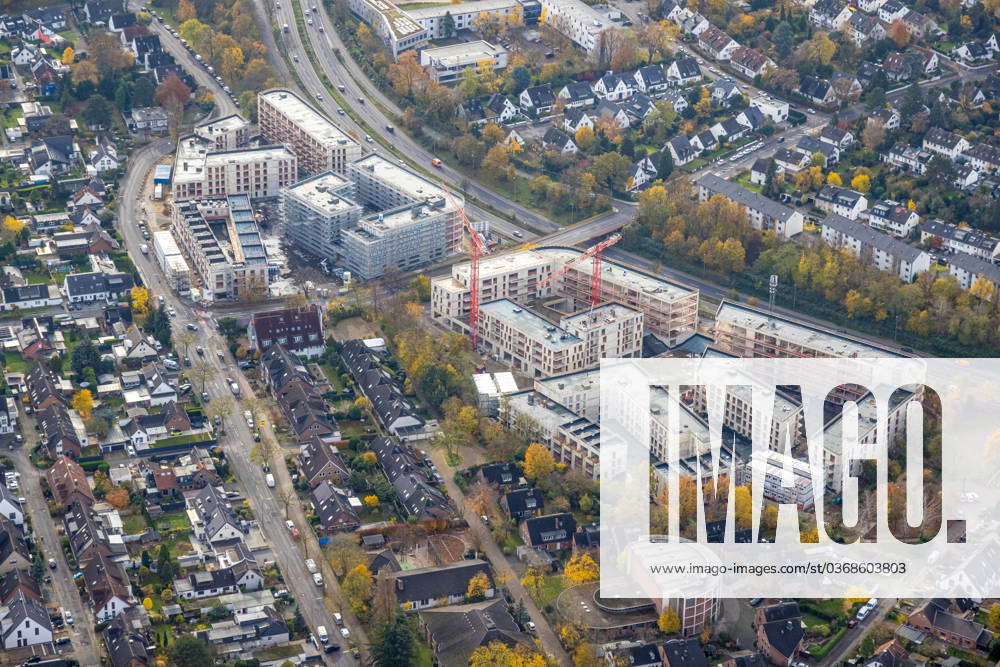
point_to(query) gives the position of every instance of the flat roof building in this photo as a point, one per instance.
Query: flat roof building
(318, 144)
(578, 21)
(172, 262)
(463, 14)
(398, 30)
(313, 213)
(225, 133)
(528, 342)
(202, 171)
(446, 63)
(669, 309)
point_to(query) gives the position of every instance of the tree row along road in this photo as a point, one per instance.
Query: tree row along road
(237, 442)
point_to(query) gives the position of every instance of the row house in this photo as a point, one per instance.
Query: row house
(829, 14)
(337, 511)
(414, 486)
(946, 143)
(842, 201)
(907, 157)
(959, 239)
(879, 250)
(717, 43)
(937, 618)
(762, 213)
(863, 29)
(749, 62)
(791, 160)
(983, 157)
(967, 269)
(389, 404)
(439, 585)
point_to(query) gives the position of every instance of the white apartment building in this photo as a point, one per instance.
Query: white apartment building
(417, 224)
(774, 110)
(172, 262)
(960, 239)
(735, 404)
(967, 269)
(464, 14)
(573, 440)
(225, 134)
(397, 29)
(763, 213)
(318, 144)
(609, 331)
(775, 465)
(882, 251)
(313, 213)
(669, 310)
(578, 21)
(578, 391)
(200, 171)
(446, 63)
(892, 217)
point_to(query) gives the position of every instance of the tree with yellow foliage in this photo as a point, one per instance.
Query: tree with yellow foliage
(68, 56)
(538, 462)
(371, 501)
(140, 300)
(833, 178)
(571, 636)
(533, 580)
(492, 134)
(983, 288)
(357, 588)
(83, 402)
(862, 183)
(581, 568)
(584, 138)
(369, 458)
(669, 622)
(704, 103)
(12, 225)
(478, 585)
(499, 654)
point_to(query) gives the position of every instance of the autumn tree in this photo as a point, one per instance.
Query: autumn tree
(496, 161)
(538, 462)
(993, 618)
(370, 501)
(669, 622)
(533, 581)
(139, 297)
(862, 183)
(584, 137)
(499, 654)
(68, 56)
(873, 135)
(173, 94)
(85, 70)
(898, 33)
(581, 568)
(478, 585)
(343, 553)
(83, 402)
(492, 134)
(12, 225)
(118, 497)
(357, 588)
(818, 50)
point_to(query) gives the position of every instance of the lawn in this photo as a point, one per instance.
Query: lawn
(134, 524)
(820, 651)
(553, 586)
(333, 376)
(187, 439)
(831, 608)
(423, 657)
(15, 363)
(744, 180)
(36, 278)
(176, 522)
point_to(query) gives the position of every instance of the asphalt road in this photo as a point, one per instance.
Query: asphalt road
(238, 438)
(85, 645)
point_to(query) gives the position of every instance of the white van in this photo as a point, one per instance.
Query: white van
(269, 478)
(311, 566)
(318, 579)
(321, 633)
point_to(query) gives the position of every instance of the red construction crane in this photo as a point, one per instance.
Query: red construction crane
(478, 249)
(595, 277)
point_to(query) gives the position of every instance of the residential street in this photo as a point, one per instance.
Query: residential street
(501, 568)
(63, 587)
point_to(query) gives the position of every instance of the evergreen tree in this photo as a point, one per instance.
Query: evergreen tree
(771, 179)
(393, 643)
(666, 166)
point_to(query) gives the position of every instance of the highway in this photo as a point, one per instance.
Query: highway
(238, 439)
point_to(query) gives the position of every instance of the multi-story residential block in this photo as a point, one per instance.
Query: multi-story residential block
(397, 29)
(669, 310)
(842, 201)
(463, 15)
(800, 491)
(609, 331)
(225, 134)
(907, 157)
(313, 213)
(967, 269)
(960, 239)
(747, 332)
(528, 342)
(200, 171)
(445, 64)
(580, 22)
(983, 157)
(236, 265)
(882, 251)
(892, 217)
(829, 14)
(175, 267)
(318, 144)
(762, 213)
(418, 223)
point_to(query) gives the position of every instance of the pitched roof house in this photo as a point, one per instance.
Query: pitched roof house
(320, 461)
(68, 482)
(332, 506)
(454, 633)
(299, 330)
(552, 532)
(779, 632)
(439, 585)
(937, 618)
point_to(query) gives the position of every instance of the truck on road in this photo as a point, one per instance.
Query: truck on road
(311, 566)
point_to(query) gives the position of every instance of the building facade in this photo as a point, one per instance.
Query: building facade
(318, 144)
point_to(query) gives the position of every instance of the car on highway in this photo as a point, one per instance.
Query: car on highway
(321, 29)
(52, 563)
(319, 96)
(295, 58)
(192, 326)
(368, 138)
(309, 22)
(517, 234)
(361, 100)
(340, 111)
(341, 88)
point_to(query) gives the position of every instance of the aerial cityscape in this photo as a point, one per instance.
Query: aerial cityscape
(303, 308)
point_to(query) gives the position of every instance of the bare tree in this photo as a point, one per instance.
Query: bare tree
(285, 498)
(184, 339)
(201, 372)
(221, 407)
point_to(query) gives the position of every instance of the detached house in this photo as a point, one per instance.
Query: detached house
(717, 43)
(613, 111)
(892, 218)
(552, 532)
(555, 140)
(683, 71)
(499, 109)
(538, 99)
(523, 503)
(108, 587)
(749, 62)
(936, 618)
(780, 632)
(864, 29)
(829, 14)
(576, 119)
(614, 87)
(681, 150)
(213, 518)
(576, 94)
(96, 286)
(842, 201)
(52, 156)
(651, 79)
(818, 90)
(334, 508)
